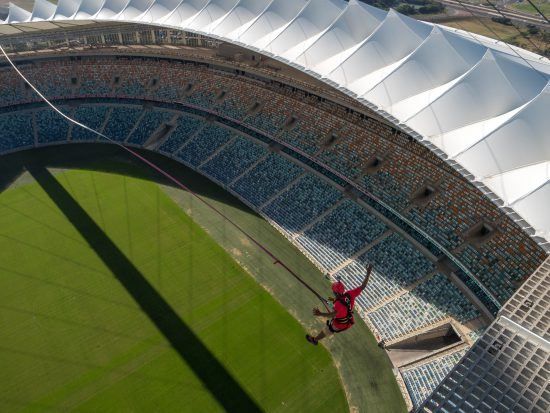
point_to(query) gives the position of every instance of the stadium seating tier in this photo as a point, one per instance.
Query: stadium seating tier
(131, 101)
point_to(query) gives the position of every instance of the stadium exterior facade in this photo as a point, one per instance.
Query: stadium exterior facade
(481, 106)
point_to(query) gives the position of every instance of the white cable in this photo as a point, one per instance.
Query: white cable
(45, 99)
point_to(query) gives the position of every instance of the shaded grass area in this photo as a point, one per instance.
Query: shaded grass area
(81, 331)
(363, 368)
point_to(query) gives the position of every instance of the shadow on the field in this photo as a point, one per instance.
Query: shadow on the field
(8, 174)
(109, 158)
(204, 364)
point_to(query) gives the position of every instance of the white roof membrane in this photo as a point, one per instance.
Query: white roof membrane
(134, 9)
(17, 15)
(470, 98)
(381, 49)
(353, 26)
(158, 10)
(442, 58)
(43, 10)
(66, 9)
(212, 14)
(109, 9)
(240, 18)
(305, 28)
(183, 13)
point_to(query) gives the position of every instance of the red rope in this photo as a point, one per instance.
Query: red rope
(237, 226)
(171, 178)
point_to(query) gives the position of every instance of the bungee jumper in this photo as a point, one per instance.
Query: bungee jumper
(341, 318)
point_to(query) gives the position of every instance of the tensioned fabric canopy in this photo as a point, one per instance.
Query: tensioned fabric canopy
(480, 104)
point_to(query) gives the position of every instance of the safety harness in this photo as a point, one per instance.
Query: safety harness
(346, 301)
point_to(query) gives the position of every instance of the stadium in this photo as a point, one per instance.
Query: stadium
(182, 180)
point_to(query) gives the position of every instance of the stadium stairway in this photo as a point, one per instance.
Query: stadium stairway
(319, 218)
(282, 191)
(367, 247)
(406, 289)
(248, 169)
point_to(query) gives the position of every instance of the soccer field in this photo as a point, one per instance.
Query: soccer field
(112, 298)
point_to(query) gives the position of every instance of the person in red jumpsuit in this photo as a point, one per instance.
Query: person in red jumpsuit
(341, 318)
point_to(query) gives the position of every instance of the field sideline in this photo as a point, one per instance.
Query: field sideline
(102, 347)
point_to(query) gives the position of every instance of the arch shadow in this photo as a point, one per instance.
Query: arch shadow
(105, 157)
(221, 384)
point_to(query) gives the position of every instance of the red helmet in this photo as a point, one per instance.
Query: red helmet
(338, 288)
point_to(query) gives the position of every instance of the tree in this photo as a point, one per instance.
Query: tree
(417, 2)
(533, 29)
(502, 20)
(406, 9)
(433, 8)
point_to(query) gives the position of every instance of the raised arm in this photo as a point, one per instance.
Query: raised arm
(367, 277)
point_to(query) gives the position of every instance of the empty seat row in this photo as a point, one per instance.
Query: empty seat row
(343, 232)
(421, 380)
(428, 303)
(301, 203)
(234, 159)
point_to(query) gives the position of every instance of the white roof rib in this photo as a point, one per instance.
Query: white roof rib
(353, 26)
(158, 9)
(183, 13)
(442, 58)
(240, 18)
(17, 15)
(110, 9)
(133, 9)
(212, 14)
(42, 10)
(469, 98)
(66, 9)
(305, 28)
(272, 21)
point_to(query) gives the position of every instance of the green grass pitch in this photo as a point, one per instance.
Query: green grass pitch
(74, 338)
(118, 294)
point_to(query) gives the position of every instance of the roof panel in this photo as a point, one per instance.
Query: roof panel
(521, 141)
(187, 11)
(442, 58)
(43, 10)
(495, 86)
(305, 28)
(240, 18)
(17, 15)
(352, 27)
(513, 185)
(534, 209)
(460, 139)
(212, 15)
(159, 9)
(111, 8)
(66, 9)
(381, 48)
(271, 22)
(134, 9)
